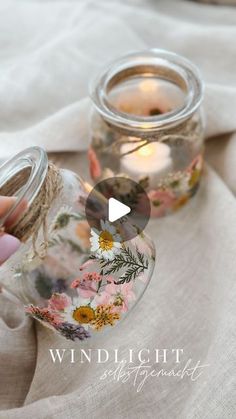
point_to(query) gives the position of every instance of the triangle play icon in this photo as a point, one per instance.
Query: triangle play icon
(116, 209)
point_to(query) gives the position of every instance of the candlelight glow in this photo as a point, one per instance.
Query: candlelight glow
(146, 150)
(148, 86)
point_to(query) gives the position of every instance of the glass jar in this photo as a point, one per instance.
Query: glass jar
(147, 125)
(61, 273)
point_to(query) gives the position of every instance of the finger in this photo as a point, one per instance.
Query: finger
(8, 245)
(20, 209)
(6, 202)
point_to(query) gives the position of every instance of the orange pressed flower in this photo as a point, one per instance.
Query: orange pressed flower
(180, 202)
(104, 315)
(82, 231)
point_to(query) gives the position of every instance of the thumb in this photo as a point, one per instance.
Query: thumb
(8, 245)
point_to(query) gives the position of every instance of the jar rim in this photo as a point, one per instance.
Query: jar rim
(167, 65)
(34, 158)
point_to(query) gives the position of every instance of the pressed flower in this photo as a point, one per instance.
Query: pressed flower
(106, 243)
(161, 201)
(44, 314)
(75, 283)
(79, 312)
(92, 276)
(73, 332)
(94, 165)
(59, 302)
(197, 163)
(60, 286)
(195, 177)
(117, 295)
(122, 187)
(180, 183)
(62, 219)
(104, 315)
(195, 170)
(180, 202)
(86, 264)
(83, 314)
(82, 231)
(87, 285)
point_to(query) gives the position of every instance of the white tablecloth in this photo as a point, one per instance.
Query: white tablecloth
(49, 50)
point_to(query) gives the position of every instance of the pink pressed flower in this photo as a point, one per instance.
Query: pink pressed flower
(94, 165)
(57, 319)
(86, 264)
(75, 283)
(44, 314)
(197, 163)
(92, 276)
(103, 298)
(161, 201)
(59, 302)
(117, 295)
(87, 285)
(87, 289)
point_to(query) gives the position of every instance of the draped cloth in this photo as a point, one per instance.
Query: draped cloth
(49, 51)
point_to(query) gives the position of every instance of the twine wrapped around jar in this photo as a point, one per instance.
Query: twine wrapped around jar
(35, 217)
(189, 130)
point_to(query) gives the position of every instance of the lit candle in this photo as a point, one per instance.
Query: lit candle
(152, 160)
(148, 85)
(148, 97)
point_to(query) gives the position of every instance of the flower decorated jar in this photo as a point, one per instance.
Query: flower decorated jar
(147, 125)
(70, 278)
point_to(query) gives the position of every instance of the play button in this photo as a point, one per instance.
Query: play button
(116, 210)
(120, 202)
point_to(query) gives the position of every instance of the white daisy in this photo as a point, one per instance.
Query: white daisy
(183, 185)
(107, 242)
(123, 186)
(62, 218)
(79, 312)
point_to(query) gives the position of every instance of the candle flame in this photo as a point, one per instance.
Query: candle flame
(145, 151)
(148, 85)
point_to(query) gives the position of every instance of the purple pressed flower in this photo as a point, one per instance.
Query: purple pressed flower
(59, 286)
(72, 331)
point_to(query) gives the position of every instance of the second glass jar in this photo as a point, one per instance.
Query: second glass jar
(147, 125)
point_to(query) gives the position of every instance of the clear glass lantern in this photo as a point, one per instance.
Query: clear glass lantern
(62, 274)
(147, 125)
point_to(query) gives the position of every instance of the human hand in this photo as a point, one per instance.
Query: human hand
(8, 243)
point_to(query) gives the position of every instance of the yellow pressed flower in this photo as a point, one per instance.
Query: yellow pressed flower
(196, 174)
(106, 241)
(181, 201)
(83, 314)
(104, 315)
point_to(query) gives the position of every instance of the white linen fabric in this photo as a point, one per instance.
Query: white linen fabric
(49, 50)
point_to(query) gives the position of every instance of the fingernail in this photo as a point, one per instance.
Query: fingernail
(8, 245)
